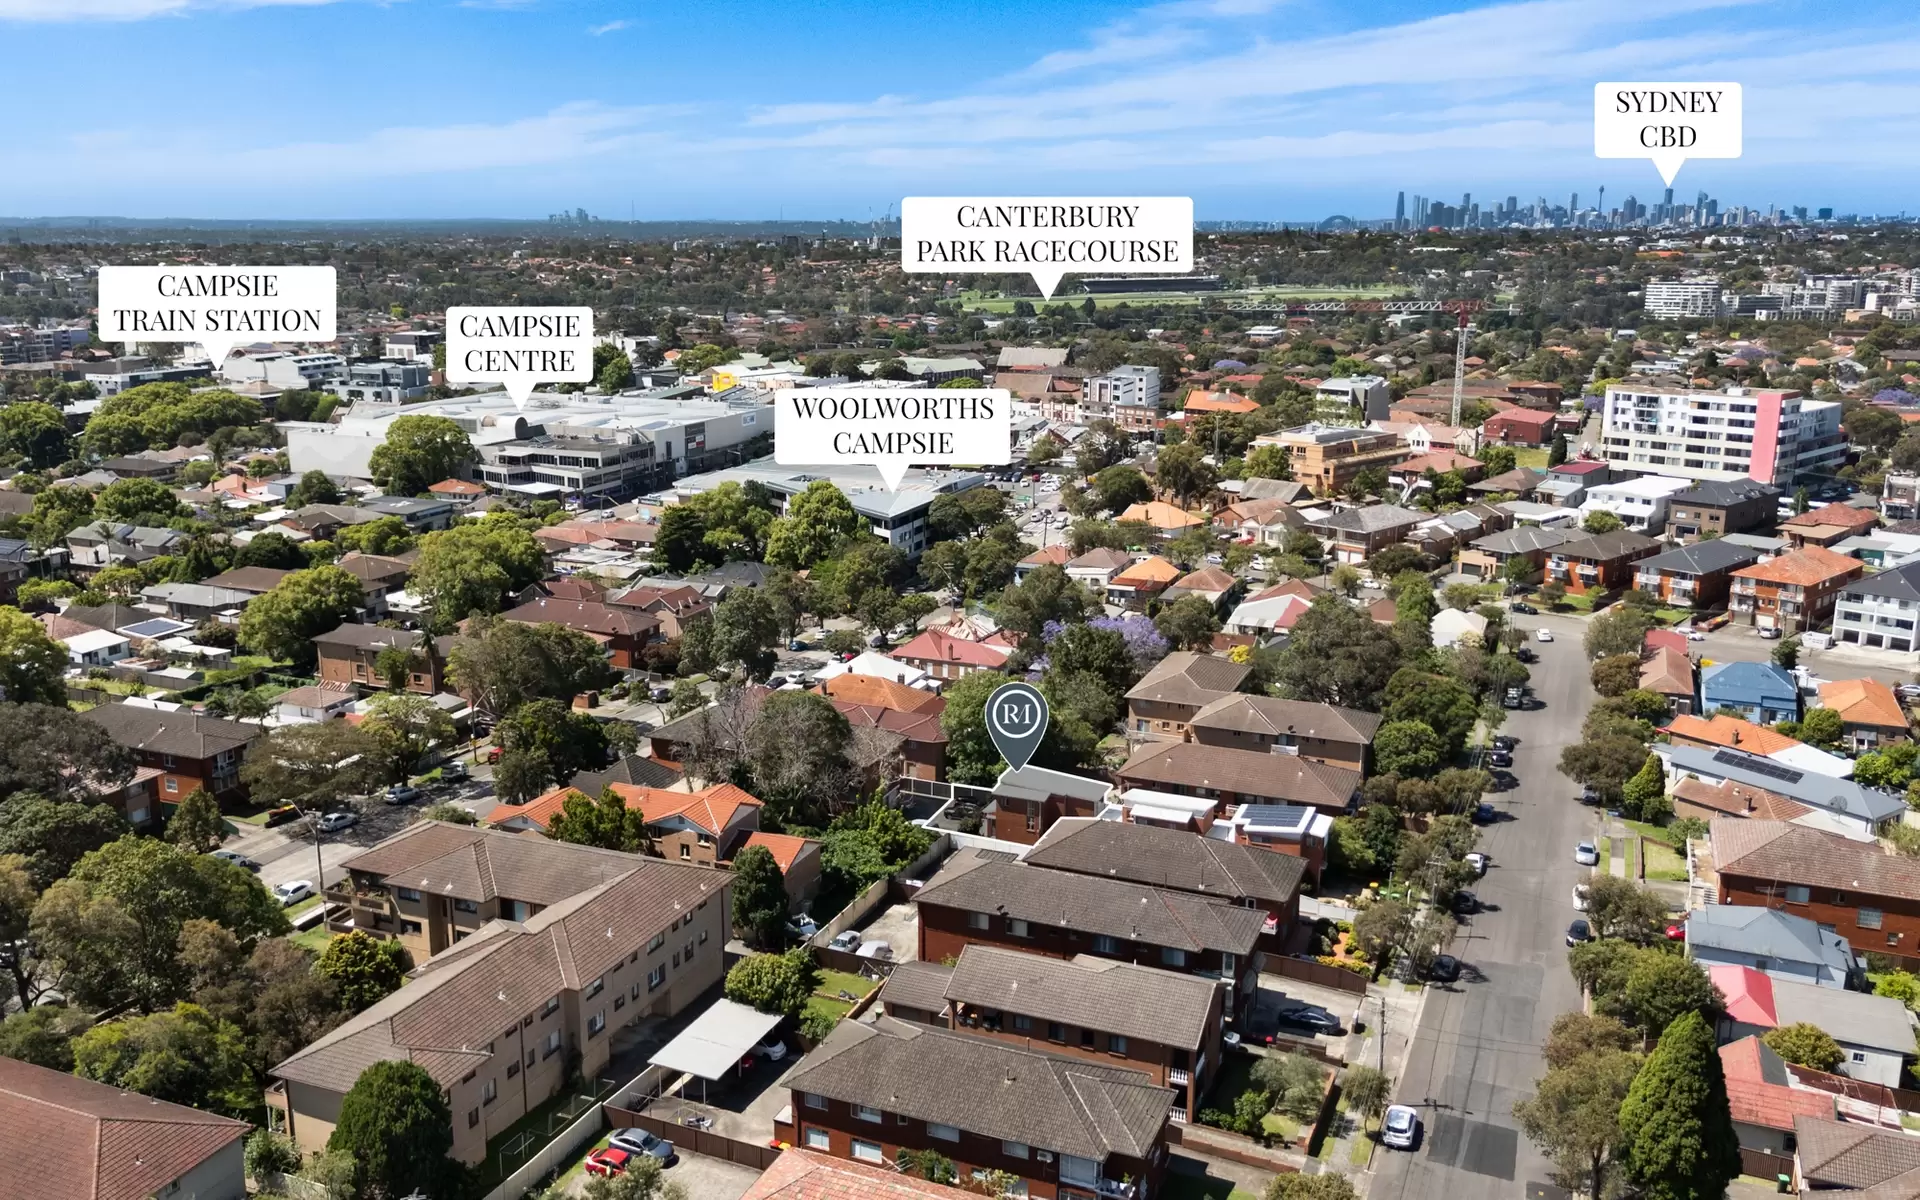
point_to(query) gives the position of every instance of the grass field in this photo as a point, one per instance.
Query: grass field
(1531, 456)
(1202, 1187)
(314, 939)
(823, 1004)
(1663, 862)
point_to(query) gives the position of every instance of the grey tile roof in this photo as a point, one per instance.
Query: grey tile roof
(1721, 493)
(1894, 583)
(1143, 1003)
(987, 1088)
(181, 734)
(1521, 539)
(634, 769)
(1603, 547)
(1702, 558)
(1372, 519)
(1833, 1154)
(1853, 1018)
(918, 984)
(1246, 773)
(1301, 718)
(1768, 933)
(369, 637)
(1187, 677)
(1117, 908)
(1168, 858)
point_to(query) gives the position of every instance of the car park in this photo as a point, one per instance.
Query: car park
(1586, 855)
(638, 1142)
(333, 822)
(237, 859)
(293, 891)
(1401, 1128)
(848, 940)
(1579, 932)
(773, 1049)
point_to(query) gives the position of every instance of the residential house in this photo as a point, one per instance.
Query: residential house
(1142, 581)
(584, 943)
(197, 602)
(945, 657)
(63, 1137)
(1721, 730)
(1870, 713)
(634, 769)
(458, 492)
(1287, 491)
(1521, 427)
(1641, 504)
(910, 741)
(1230, 778)
(1164, 1023)
(1425, 437)
(1781, 944)
(1200, 401)
(1080, 1130)
(1055, 555)
(1850, 1160)
(1518, 482)
(980, 900)
(324, 520)
(1167, 520)
(624, 631)
(85, 645)
(1167, 697)
(100, 544)
(705, 828)
(350, 655)
(1854, 887)
(1205, 867)
(1322, 732)
(1355, 535)
(872, 691)
(1875, 1033)
(1669, 674)
(188, 751)
(1296, 830)
(1877, 612)
(1328, 458)
(1764, 1100)
(1708, 801)
(1761, 692)
(800, 1174)
(1827, 524)
(1029, 800)
(1097, 567)
(1719, 507)
(1698, 575)
(1455, 627)
(312, 705)
(1486, 558)
(378, 574)
(1794, 592)
(1267, 616)
(1839, 805)
(1599, 562)
(798, 859)
(1215, 585)
(1411, 475)
(675, 607)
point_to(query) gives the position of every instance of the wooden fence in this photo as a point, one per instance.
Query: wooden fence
(1762, 1165)
(1309, 971)
(696, 1141)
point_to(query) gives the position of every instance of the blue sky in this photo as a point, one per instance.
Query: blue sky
(1259, 109)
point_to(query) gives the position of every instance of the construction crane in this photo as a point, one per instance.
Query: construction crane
(1460, 340)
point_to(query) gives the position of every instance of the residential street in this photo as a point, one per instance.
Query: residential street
(1477, 1049)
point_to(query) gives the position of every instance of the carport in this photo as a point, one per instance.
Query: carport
(716, 1042)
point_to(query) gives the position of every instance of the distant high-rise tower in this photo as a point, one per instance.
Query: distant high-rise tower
(1400, 212)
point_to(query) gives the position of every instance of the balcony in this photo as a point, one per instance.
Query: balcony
(1118, 1190)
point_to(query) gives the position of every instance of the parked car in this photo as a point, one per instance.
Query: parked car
(1312, 1016)
(1543, 635)
(1500, 758)
(639, 1141)
(401, 793)
(1772, 635)
(1505, 741)
(453, 772)
(1580, 893)
(776, 681)
(281, 814)
(1526, 655)
(237, 859)
(1579, 932)
(1479, 862)
(1445, 969)
(1695, 635)
(848, 940)
(608, 1161)
(1401, 1129)
(1465, 902)
(773, 1049)
(1676, 932)
(660, 695)
(1586, 855)
(796, 645)
(1521, 606)
(333, 822)
(293, 891)
(1485, 813)
(803, 926)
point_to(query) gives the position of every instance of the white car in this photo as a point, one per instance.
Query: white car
(336, 821)
(1580, 891)
(1543, 635)
(1694, 635)
(1586, 855)
(848, 940)
(1478, 862)
(773, 1050)
(293, 891)
(1401, 1129)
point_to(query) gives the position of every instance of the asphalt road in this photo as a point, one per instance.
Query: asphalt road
(1477, 1048)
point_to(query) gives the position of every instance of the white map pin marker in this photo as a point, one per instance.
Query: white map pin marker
(216, 308)
(892, 429)
(1667, 122)
(1046, 237)
(520, 347)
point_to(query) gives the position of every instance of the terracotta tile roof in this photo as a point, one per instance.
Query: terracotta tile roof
(1723, 730)
(784, 847)
(873, 691)
(1206, 402)
(1671, 639)
(1058, 554)
(923, 726)
(711, 808)
(1440, 462)
(1161, 515)
(1287, 587)
(1733, 799)
(1668, 672)
(1206, 580)
(1759, 1091)
(1748, 993)
(934, 646)
(1864, 702)
(1843, 516)
(1148, 572)
(456, 487)
(1807, 565)
(67, 1138)
(1779, 853)
(804, 1175)
(59, 627)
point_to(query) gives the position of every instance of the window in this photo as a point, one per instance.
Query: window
(1116, 1044)
(866, 1114)
(1172, 957)
(1017, 928)
(868, 1151)
(466, 906)
(703, 937)
(531, 1055)
(409, 927)
(656, 977)
(945, 1133)
(634, 957)
(814, 1100)
(513, 1068)
(1013, 1149)
(473, 1117)
(596, 1023)
(1056, 1032)
(593, 989)
(1796, 895)
(817, 1139)
(1083, 1171)
(1022, 1023)
(490, 1092)
(553, 1044)
(1869, 918)
(1859, 1057)
(619, 1002)
(408, 894)
(553, 1006)
(173, 785)
(686, 851)
(979, 921)
(1102, 944)
(658, 940)
(634, 991)
(676, 958)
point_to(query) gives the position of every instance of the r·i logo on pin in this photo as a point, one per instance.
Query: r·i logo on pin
(1017, 719)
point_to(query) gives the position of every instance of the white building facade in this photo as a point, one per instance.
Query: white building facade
(1769, 435)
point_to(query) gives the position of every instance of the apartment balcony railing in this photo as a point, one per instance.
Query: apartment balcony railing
(1117, 1189)
(1178, 1076)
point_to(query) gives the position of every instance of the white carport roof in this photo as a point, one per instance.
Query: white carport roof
(716, 1041)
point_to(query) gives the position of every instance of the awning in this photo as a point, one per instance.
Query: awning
(716, 1041)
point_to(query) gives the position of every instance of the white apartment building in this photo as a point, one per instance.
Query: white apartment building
(1129, 396)
(1641, 504)
(285, 370)
(1686, 298)
(1878, 611)
(1352, 400)
(1768, 435)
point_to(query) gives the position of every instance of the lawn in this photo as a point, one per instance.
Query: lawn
(1531, 456)
(543, 1123)
(314, 939)
(1663, 862)
(1173, 295)
(833, 1008)
(307, 905)
(832, 983)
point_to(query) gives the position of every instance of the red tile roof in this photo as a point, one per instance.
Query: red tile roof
(784, 847)
(1758, 1100)
(804, 1175)
(1843, 516)
(712, 808)
(1807, 565)
(934, 646)
(1749, 994)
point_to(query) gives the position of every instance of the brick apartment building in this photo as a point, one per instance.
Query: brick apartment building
(186, 751)
(1165, 701)
(350, 656)
(1855, 888)
(1341, 737)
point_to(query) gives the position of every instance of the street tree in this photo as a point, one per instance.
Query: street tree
(419, 451)
(1408, 748)
(472, 566)
(1675, 1125)
(816, 522)
(1617, 632)
(314, 765)
(1616, 674)
(566, 742)
(404, 727)
(796, 753)
(1189, 623)
(1046, 595)
(196, 825)
(1337, 655)
(1620, 908)
(283, 622)
(759, 898)
(50, 836)
(1573, 1116)
(500, 665)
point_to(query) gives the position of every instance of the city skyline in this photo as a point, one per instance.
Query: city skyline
(747, 109)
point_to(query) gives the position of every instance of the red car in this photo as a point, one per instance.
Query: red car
(1676, 933)
(608, 1161)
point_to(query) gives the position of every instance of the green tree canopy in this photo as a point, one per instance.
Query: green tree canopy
(196, 825)
(1337, 655)
(607, 821)
(182, 1056)
(759, 898)
(471, 567)
(774, 983)
(1805, 1045)
(816, 522)
(363, 968)
(283, 622)
(1675, 1124)
(33, 666)
(396, 1127)
(419, 451)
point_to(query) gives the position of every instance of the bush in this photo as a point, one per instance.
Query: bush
(774, 983)
(267, 1153)
(816, 1025)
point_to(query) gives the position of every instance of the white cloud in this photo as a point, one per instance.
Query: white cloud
(609, 27)
(130, 10)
